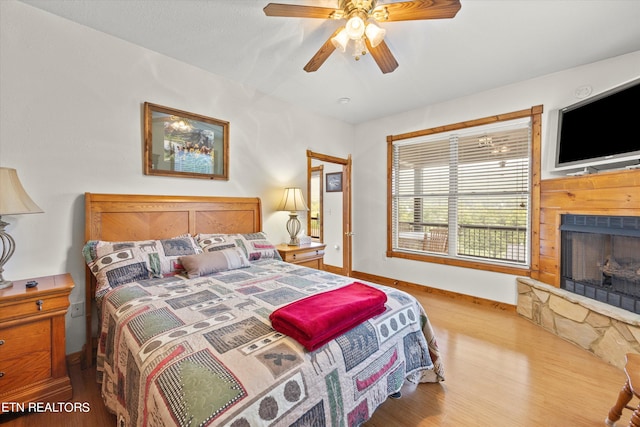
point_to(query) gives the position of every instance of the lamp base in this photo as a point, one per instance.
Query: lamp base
(293, 227)
(294, 242)
(7, 246)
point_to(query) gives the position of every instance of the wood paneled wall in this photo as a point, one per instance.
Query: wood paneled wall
(605, 193)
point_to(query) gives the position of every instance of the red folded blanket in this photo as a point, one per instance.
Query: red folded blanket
(313, 321)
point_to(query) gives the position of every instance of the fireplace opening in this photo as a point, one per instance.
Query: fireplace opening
(600, 258)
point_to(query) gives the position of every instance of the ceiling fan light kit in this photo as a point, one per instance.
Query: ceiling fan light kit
(375, 34)
(355, 27)
(341, 40)
(366, 36)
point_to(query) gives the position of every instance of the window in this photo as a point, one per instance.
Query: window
(463, 192)
(316, 203)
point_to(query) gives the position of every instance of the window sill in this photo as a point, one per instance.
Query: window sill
(477, 265)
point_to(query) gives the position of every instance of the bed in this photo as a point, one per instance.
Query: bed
(201, 350)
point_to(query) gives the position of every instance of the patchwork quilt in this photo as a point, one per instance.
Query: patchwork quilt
(201, 351)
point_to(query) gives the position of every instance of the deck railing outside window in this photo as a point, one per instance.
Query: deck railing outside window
(492, 243)
(315, 227)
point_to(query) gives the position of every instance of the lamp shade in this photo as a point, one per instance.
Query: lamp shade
(13, 199)
(375, 34)
(355, 27)
(341, 40)
(292, 200)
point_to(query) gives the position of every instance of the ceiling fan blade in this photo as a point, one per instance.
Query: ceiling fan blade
(322, 54)
(420, 9)
(298, 11)
(383, 56)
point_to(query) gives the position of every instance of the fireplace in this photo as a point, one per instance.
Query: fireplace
(600, 258)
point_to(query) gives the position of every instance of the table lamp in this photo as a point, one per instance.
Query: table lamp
(13, 201)
(293, 202)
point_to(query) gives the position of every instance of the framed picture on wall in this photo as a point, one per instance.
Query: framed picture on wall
(182, 144)
(334, 182)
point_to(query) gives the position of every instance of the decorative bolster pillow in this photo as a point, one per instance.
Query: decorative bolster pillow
(255, 246)
(213, 262)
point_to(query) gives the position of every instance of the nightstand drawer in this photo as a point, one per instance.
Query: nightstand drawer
(24, 339)
(314, 263)
(25, 354)
(305, 255)
(22, 371)
(33, 306)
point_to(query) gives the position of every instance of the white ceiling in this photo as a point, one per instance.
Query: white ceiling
(490, 43)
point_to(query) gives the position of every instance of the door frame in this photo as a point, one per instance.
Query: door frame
(346, 204)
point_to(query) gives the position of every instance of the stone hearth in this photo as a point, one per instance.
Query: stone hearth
(606, 331)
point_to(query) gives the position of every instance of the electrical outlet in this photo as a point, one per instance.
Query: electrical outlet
(77, 309)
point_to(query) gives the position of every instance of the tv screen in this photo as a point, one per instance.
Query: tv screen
(601, 129)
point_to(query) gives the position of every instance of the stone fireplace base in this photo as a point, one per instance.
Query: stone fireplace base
(604, 330)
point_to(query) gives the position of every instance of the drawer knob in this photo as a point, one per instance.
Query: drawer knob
(1, 342)
(39, 304)
(294, 256)
(1, 374)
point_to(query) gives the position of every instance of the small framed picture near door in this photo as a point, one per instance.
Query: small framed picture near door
(334, 182)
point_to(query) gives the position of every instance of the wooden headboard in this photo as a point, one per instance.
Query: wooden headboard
(127, 217)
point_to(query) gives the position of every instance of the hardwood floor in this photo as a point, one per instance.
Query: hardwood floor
(501, 370)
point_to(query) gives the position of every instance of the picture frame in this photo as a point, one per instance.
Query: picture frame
(182, 144)
(333, 182)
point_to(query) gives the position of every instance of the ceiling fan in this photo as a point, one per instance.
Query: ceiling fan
(366, 36)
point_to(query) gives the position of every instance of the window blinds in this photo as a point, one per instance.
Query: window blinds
(475, 182)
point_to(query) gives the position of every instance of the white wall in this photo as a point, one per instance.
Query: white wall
(71, 122)
(553, 91)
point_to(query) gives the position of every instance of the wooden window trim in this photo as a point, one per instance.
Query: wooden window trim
(535, 113)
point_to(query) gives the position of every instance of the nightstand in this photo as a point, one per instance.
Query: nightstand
(308, 255)
(33, 366)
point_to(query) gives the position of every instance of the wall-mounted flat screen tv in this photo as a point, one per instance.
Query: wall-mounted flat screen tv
(601, 130)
